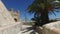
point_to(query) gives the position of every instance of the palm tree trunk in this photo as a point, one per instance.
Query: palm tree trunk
(44, 14)
(44, 17)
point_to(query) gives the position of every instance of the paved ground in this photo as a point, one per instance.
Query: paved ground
(27, 30)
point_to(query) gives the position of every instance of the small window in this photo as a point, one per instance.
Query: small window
(15, 19)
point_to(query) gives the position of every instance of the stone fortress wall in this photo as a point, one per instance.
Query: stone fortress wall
(5, 16)
(7, 23)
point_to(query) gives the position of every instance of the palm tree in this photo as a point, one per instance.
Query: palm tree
(42, 8)
(37, 21)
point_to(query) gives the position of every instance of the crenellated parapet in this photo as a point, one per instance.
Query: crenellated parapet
(15, 14)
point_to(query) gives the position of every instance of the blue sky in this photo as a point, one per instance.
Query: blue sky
(22, 5)
(18, 5)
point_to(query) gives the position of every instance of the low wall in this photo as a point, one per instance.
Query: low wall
(11, 29)
(52, 28)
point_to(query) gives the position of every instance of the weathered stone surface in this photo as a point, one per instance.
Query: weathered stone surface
(5, 17)
(7, 23)
(52, 28)
(15, 15)
(11, 29)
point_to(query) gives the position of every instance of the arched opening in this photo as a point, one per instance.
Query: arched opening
(15, 19)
